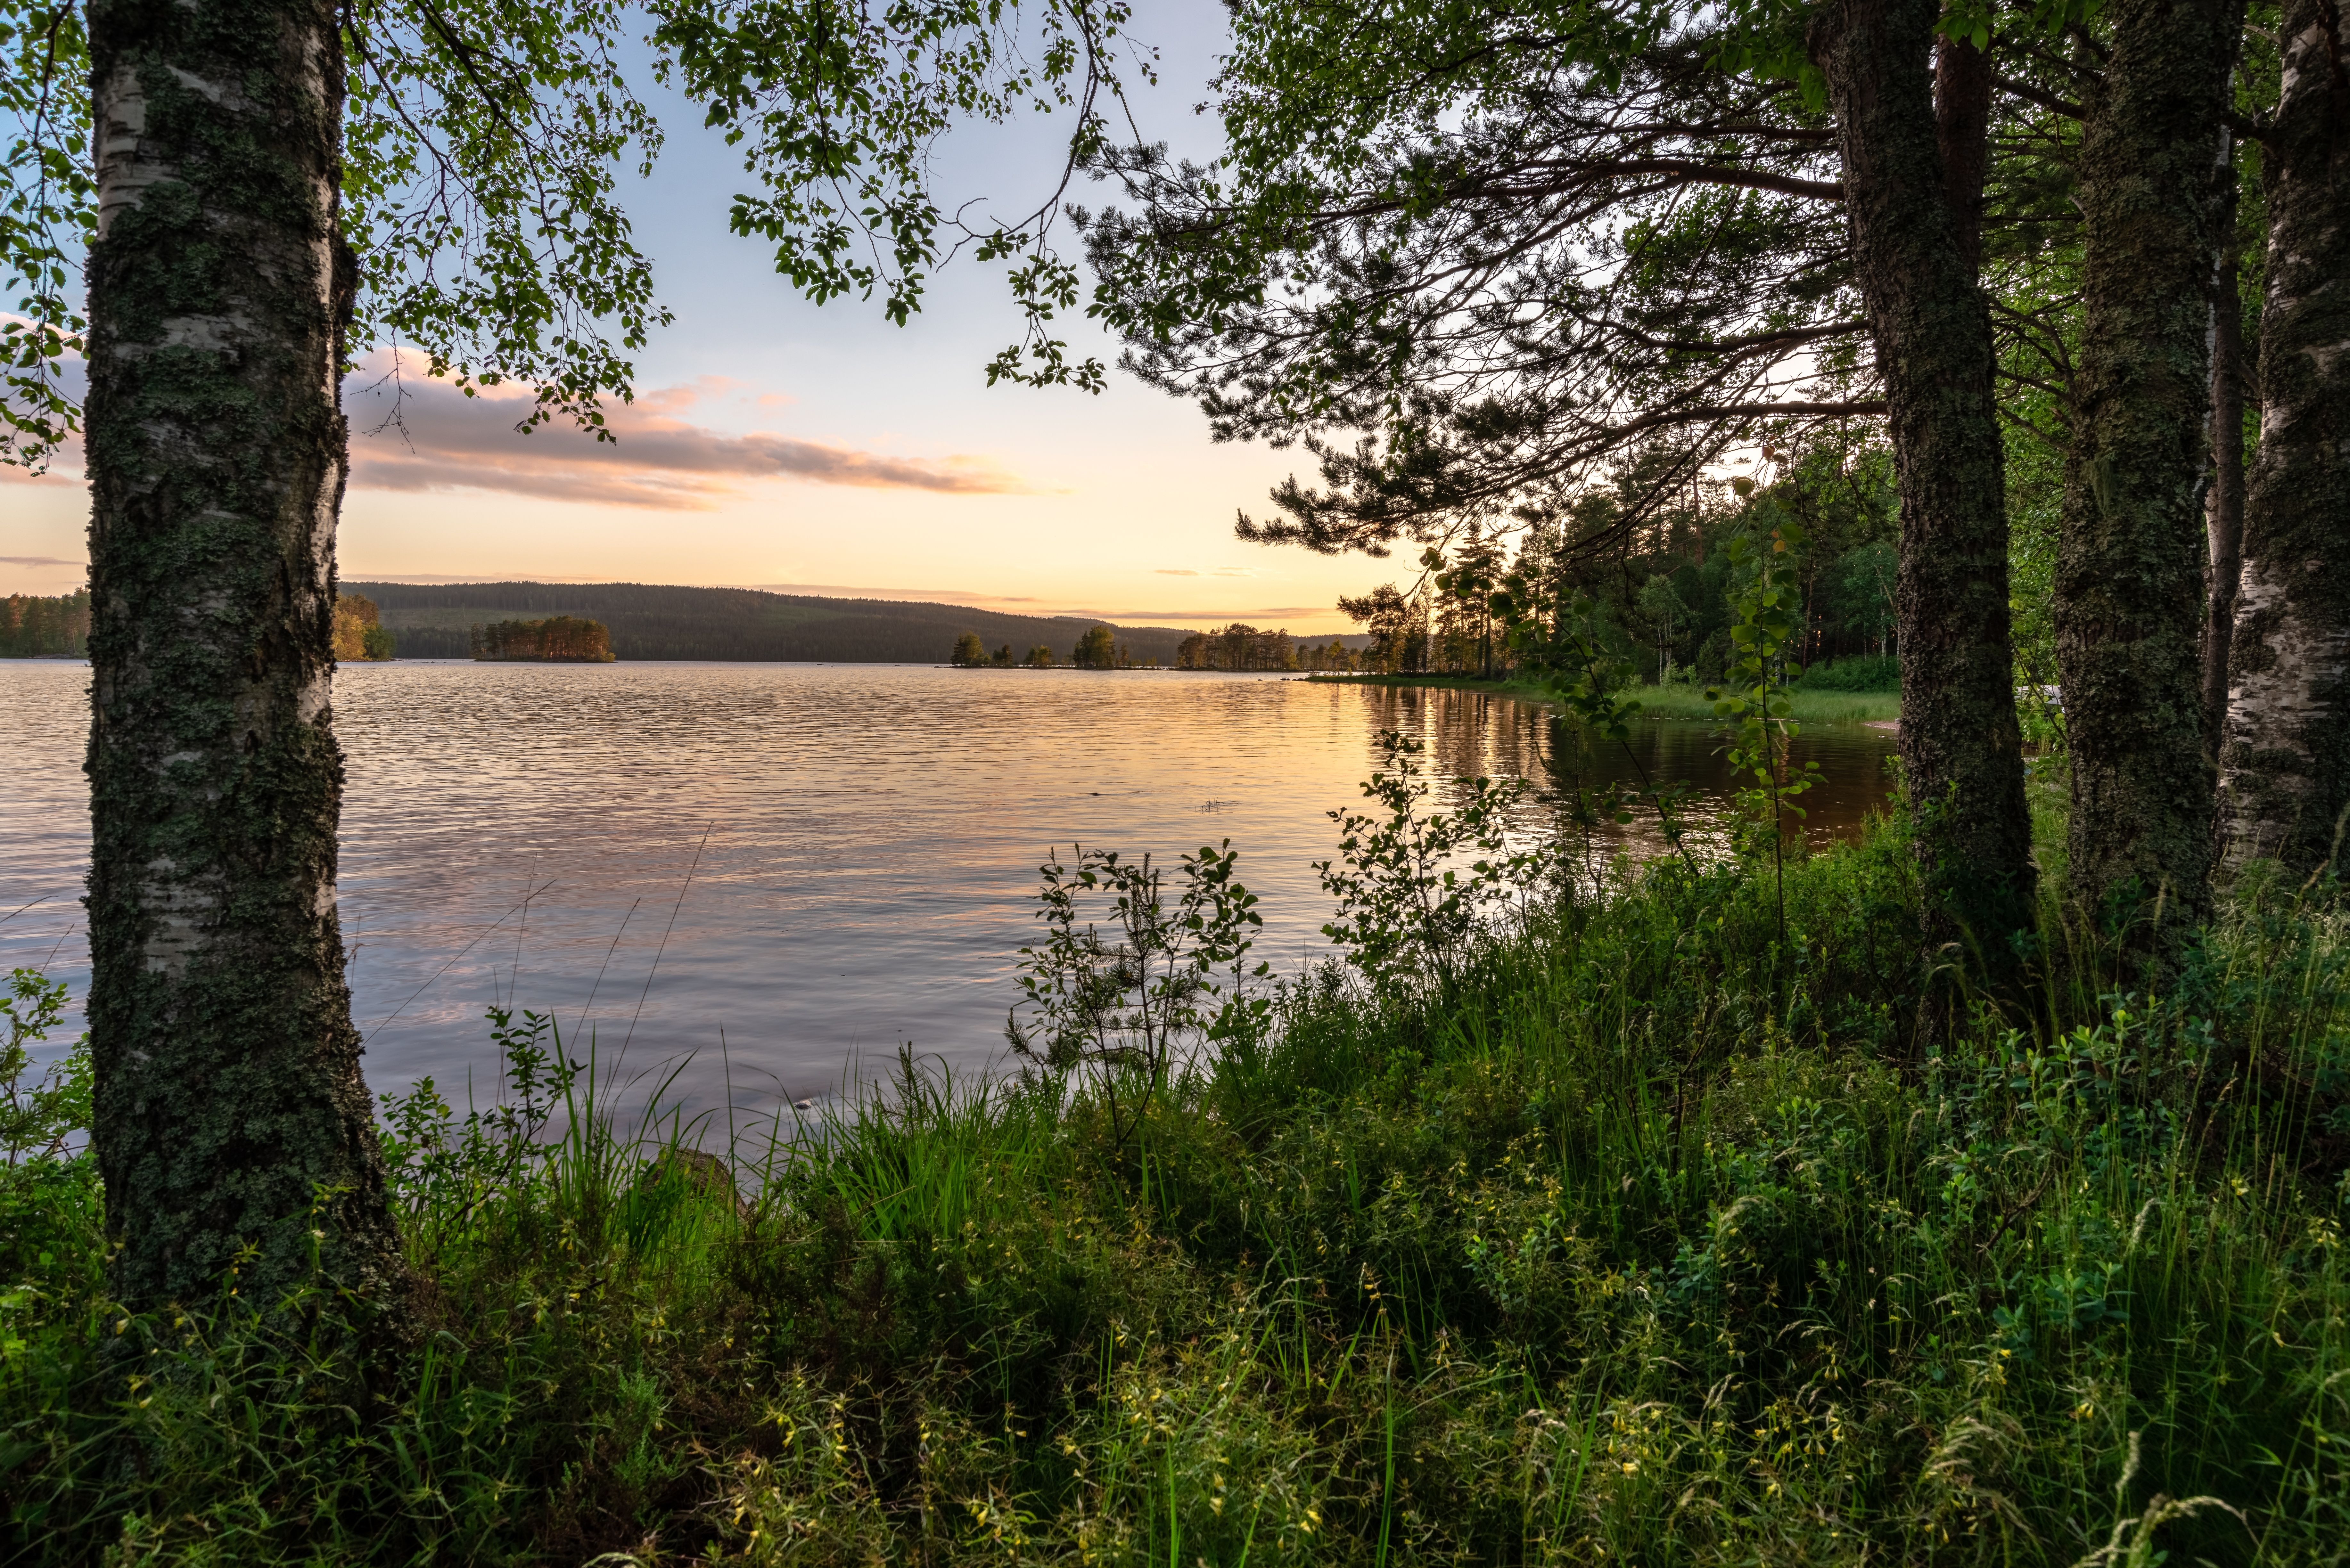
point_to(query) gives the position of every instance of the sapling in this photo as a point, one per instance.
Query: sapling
(1407, 904)
(1175, 965)
(1753, 703)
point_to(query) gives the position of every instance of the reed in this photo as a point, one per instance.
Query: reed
(1644, 1238)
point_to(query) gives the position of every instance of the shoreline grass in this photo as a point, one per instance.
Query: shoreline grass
(1646, 1240)
(1671, 702)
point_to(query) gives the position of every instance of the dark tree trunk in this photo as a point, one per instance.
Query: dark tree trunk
(1963, 84)
(1961, 749)
(2285, 767)
(231, 1113)
(2225, 517)
(2130, 556)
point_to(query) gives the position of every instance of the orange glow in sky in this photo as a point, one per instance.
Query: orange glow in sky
(777, 444)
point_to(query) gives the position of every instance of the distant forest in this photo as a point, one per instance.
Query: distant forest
(649, 621)
(32, 627)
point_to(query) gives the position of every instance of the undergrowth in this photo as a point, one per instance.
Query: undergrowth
(1636, 1236)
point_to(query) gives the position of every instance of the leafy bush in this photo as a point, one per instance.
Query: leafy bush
(37, 1120)
(1124, 1007)
(1409, 902)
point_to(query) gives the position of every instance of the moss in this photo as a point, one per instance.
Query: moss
(232, 1123)
(2129, 576)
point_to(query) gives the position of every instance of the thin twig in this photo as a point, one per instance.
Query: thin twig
(14, 913)
(581, 1026)
(444, 969)
(514, 988)
(663, 947)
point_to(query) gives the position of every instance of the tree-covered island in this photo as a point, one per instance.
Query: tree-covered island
(557, 640)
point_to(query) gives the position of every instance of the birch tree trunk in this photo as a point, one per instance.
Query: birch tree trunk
(2285, 762)
(2130, 560)
(1961, 748)
(232, 1126)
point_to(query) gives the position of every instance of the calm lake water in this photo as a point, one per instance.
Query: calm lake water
(773, 875)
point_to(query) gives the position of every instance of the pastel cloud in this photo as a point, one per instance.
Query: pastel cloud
(65, 465)
(414, 434)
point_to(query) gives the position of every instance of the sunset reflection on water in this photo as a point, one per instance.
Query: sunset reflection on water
(861, 840)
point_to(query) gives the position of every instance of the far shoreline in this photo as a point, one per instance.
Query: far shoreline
(1874, 710)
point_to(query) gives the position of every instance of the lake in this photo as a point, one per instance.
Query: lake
(773, 875)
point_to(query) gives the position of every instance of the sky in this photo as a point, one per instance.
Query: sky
(778, 445)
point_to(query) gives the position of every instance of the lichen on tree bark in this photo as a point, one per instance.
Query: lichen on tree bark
(2130, 560)
(1961, 748)
(233, 1128)
(2286, 757)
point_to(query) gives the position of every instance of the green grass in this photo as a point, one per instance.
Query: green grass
(1674, 702)
(1678, 701)
(1647, 1242)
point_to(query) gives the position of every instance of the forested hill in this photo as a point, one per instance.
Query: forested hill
(650, 621)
